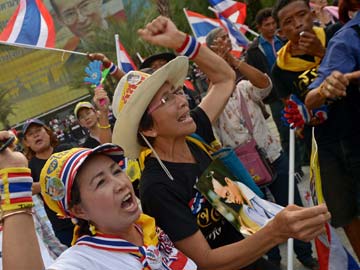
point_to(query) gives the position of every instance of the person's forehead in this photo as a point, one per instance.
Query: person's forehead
(291, 9)
(84, 110)
(32, 127)
(267, 20)
(63, 5)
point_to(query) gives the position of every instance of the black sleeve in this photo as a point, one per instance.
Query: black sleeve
(331, 30)
(170, 212)
(62, 147)
(91, 143)
(203, 124)
(282, 84)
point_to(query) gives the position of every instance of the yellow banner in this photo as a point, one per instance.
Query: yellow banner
(38, 81)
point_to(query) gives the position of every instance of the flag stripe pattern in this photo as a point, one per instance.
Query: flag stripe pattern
(30, 24)
(127, 63)
(201, 25)
(235, 11)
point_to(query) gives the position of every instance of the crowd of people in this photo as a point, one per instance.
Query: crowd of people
(99, 221)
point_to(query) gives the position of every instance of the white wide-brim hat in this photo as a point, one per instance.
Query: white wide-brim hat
(133, 95)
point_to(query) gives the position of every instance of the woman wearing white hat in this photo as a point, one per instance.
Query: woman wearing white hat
(152, 113)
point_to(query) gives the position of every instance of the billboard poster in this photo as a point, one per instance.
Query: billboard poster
(39, 81)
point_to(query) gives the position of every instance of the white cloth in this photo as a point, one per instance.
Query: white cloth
(230, 127)
(84, 257)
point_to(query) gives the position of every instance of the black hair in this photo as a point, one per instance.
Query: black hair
(280, 4)
(262, 15)
(212, 35)
(146, 122)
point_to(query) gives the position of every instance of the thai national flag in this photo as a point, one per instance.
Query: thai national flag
(236, 36)
(201, 25)
(232, 10)
(126, 62)
(30, 24)
(332, 255)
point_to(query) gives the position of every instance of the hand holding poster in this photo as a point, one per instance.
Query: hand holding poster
(246, 211)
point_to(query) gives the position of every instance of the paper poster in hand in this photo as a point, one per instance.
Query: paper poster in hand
(246, 211)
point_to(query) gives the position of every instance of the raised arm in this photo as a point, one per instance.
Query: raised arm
(102, 102)
(163, 32)
(20, 247)
(117, 73)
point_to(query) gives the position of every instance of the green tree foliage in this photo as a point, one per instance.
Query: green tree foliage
(6, 109)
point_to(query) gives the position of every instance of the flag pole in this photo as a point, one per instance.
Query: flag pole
(139, 57)
(290, 242)
(117, 46)
(27, 46)
(192, 29)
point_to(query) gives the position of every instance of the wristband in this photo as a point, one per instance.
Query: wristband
(104, 127)
(15, 184)
(189, 48)
(113, 68)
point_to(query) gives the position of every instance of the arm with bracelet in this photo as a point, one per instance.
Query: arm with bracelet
(103, 125)
(20, 245)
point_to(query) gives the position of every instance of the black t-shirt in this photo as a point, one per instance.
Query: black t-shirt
(288, 82)
(91, 142)
(36, 165)
(178, 208)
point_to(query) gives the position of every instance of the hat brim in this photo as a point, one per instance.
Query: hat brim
(166, 56)
(62, 159)
(128, 119)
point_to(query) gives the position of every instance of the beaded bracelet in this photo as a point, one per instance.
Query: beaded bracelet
(15, 185)
(189, 48)
(104, 127)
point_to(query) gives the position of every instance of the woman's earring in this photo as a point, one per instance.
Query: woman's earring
(92, 229)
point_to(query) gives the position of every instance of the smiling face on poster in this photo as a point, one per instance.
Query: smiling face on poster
(39, 81)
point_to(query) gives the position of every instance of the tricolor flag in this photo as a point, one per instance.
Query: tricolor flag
(124, 60)
(236, 36)
(31, 24)
(332, 255)
(201, 25)
(232, 10)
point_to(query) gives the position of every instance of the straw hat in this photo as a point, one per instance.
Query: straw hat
(59, 172)
(133, 95)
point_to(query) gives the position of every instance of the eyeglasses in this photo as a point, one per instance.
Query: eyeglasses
(167, 98)
(85, 8)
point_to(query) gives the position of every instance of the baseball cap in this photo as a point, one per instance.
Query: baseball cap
(59, 172)
(29, 122)
(82, 104)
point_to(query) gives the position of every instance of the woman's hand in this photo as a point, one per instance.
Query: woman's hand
(8, 158)
(301, 223)
(163, 32)
(101, 99)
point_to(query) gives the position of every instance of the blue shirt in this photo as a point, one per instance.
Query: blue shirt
(342, 53)
(270, 49)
